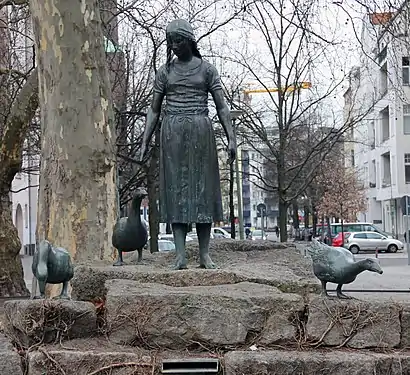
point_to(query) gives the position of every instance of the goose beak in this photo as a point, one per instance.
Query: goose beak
(376, 268)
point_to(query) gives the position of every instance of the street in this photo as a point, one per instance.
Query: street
(28, 275)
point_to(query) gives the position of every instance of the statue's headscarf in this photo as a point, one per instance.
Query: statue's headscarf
(181, 27)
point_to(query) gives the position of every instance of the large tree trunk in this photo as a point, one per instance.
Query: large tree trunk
(11, 271)
(15, 130)
(77, 195)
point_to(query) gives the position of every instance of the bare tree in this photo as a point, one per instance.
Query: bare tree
(296, 127)
(18, 105)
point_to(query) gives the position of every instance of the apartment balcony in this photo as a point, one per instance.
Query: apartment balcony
(384, 114)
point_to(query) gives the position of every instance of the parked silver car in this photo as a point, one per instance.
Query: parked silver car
(165, 245)
(257, 234)
(358, 241)
(170, 237)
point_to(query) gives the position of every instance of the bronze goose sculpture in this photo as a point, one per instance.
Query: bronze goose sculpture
(338, 265)
(130, 233)
(52, 265)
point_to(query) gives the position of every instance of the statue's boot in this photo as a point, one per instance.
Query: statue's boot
(204, 234)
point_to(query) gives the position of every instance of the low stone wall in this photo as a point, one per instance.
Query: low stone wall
(245, 314)
(337, 362)
(260, 301)
(221, 316)
(118, 361)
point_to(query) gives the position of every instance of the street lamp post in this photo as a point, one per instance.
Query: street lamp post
(235, 114)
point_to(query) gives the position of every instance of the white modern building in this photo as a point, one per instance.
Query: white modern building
(254, 171)
(24, 201)
(380, 92)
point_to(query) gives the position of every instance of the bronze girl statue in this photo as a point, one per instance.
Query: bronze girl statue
(189, 173)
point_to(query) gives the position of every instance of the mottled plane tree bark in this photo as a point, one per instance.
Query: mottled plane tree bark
(77, 194)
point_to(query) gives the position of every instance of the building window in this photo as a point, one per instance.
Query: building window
(406, 118)
(407, 168)
(405, 69)
(383, 80)
(352, 157)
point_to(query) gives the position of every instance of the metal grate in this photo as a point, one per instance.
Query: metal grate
(190, 366)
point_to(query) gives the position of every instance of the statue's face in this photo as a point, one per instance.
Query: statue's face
(180, 46)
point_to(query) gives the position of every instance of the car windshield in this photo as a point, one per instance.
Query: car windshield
(257, 232)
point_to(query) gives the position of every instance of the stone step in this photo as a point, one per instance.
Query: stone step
(316, 363)
(31, 322)
(230, 315)
(357, 324)
(243, 313)
(85, 362)
(119, 361)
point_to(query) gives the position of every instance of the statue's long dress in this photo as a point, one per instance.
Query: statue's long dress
(189, 174)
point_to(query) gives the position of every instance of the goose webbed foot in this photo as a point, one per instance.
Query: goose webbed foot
(64, 292)
(341, 295)
(324, 292)
(139, 256)
(119, 261)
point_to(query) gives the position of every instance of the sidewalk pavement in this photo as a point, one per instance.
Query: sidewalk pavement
(28, 274)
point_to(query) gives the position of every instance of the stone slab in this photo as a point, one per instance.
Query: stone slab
(157, 315)
(353, 323)
(75, 362)
(89, 282)
(30, 322)
(10, 361)
(5, 344)
(335, 362)
(405, 326)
